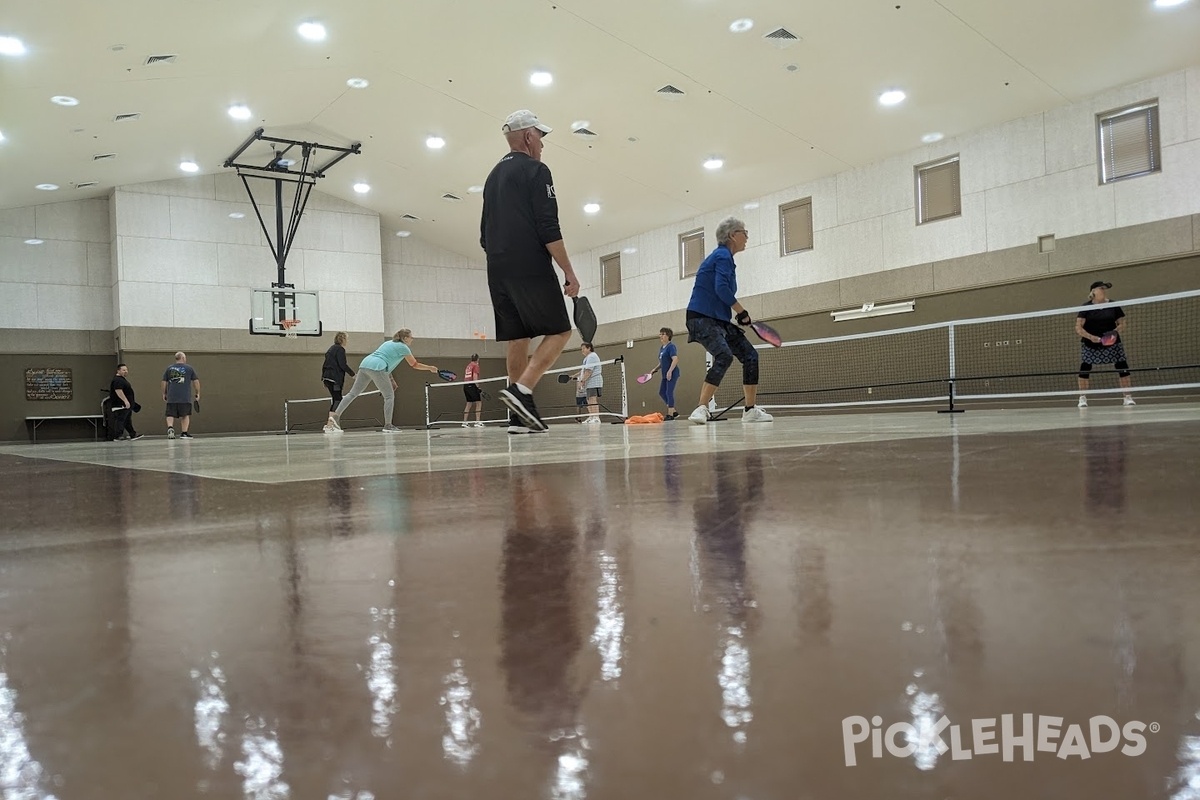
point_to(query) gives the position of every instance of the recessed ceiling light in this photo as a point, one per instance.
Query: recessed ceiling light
(892, 97)
(239, 111)
(750, 206)
(64, 100)
(403, 234)
(189, 166)
(435, 143)
(591, 208)
(236, 215)
(358, 83)
(930, 138)
(47, 187)
(362, 188)
(1, 136)
(541, 78)
(313, 31)
(628, 250)
(34, 241)
(11, 46)
(475, 189)
(1168, 3)
(714, 163)
(741, 25)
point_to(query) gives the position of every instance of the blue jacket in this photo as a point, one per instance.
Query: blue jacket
(715, 290)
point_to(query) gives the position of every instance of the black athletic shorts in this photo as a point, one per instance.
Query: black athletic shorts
(472, 393)
(527, 303)
(179, 410)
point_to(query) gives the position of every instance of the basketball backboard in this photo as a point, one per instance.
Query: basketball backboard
(269, 306)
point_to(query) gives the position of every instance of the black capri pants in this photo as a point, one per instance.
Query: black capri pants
(724, 341)
(335, 392)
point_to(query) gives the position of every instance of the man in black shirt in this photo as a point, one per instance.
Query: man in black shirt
(520, 234)
(120, 397)
(1099, 331)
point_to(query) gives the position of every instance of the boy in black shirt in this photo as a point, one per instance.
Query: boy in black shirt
(120, 398)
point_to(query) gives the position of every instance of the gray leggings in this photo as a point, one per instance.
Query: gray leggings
(382, 381)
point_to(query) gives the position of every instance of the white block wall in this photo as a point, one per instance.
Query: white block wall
(436, 293)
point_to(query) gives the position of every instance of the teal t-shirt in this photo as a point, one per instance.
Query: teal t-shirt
(386, 357)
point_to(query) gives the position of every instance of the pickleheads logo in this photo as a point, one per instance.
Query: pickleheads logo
(1031, 734)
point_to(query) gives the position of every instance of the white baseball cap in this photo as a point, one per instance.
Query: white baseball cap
(520, 120)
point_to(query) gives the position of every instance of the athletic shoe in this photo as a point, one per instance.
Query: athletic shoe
(521, 404)
(1129, 401)
(756, 414)
(334, 422)
(136, 436)
(170, 433)
(186, 435)
(390, 429)
(1082, 401)
(476, 424)
(466, 424)
(122, 438)
(592, 421)
(699, 416)
(516, 428)
(328, 428)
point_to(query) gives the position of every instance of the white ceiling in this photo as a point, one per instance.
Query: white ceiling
(456, 68)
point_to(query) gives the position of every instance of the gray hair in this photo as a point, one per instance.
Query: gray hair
(726, 227)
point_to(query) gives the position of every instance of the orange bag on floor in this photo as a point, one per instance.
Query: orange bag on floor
(646, 419)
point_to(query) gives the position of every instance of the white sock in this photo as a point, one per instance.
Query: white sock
(524, 389)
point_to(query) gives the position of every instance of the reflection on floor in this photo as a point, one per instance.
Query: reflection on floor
(612, 613)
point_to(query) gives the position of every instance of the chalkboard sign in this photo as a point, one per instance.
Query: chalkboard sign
(48, 383)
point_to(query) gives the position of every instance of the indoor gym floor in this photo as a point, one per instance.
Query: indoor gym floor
(663, 611)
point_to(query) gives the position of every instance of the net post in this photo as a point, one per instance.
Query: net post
(427, 425)
(950, 409)
(286, 428)
(624, 391)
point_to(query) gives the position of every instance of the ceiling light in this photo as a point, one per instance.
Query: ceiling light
(892, 97)
(1168, 3)
(930, 138)
(629, 250)
(474, 189)
(435, 143)
(47, 187)
(872, 310)
(313, 31)
(34, 241)
(750, 206)
(403, 234)
(741, 25)
(239, 112)
(358, 83)
(64, 100)
(362, 188)
(541, 78)
(1, 136)
(11, 46)
(591, 208)
(580, 124)
(236, 215)
(714, 163)
(189, 166)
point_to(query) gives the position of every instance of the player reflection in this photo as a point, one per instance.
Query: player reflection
(722, 518)
(1104, 448)
(541, 631)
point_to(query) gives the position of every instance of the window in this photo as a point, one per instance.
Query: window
(795, 227)
(610, 274)
(938, 194)
(1128, 141)
(691, 252)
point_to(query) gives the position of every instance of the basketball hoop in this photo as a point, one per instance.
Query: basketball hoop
(289, 327)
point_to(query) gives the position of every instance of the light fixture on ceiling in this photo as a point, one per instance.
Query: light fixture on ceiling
(64, 100)
(872, 310)
(579, 125)
(189, 166)
(47, 187)
(34, 241)
(358, 83)
(362, 188)
(313, 31)
(628, 250)
(236, 215)
(892, 97)
(1, 136)
(404, 234)
(435, 143)
(541, 78)
(591, 208)
(1168, 3)
(750, 206)
(475, 189)
(239, 111)
(930, 138)
(11, 46)
(741, 25)
(714, 163)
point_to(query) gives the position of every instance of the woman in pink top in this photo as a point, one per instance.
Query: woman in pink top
(474, 396)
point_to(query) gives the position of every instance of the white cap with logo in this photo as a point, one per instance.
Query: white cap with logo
(520, 120)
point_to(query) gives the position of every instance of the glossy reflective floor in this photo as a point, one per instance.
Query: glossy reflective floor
(667, 612)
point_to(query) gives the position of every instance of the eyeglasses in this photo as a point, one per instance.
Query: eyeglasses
(743, 232)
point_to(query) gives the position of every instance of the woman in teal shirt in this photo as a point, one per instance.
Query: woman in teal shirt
(377, 368)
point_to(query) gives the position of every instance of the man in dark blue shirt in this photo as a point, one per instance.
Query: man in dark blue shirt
(714, 300)
(520, 234)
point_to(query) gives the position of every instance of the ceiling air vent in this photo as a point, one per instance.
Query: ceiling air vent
(410, 216)
(781, 37)
(127, 117)
(453, 198)
(670, 91)
(584, 132)
(86, 184)
(152, 60)
(104, 157)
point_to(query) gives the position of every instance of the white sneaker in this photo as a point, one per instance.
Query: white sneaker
(334, 422)
(1129, 400)
(756, 414)
(390, 429)
(699, 416)
(328, 429)
(1082, 401)
(466, 424)
(592, 421)
(476, 424)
